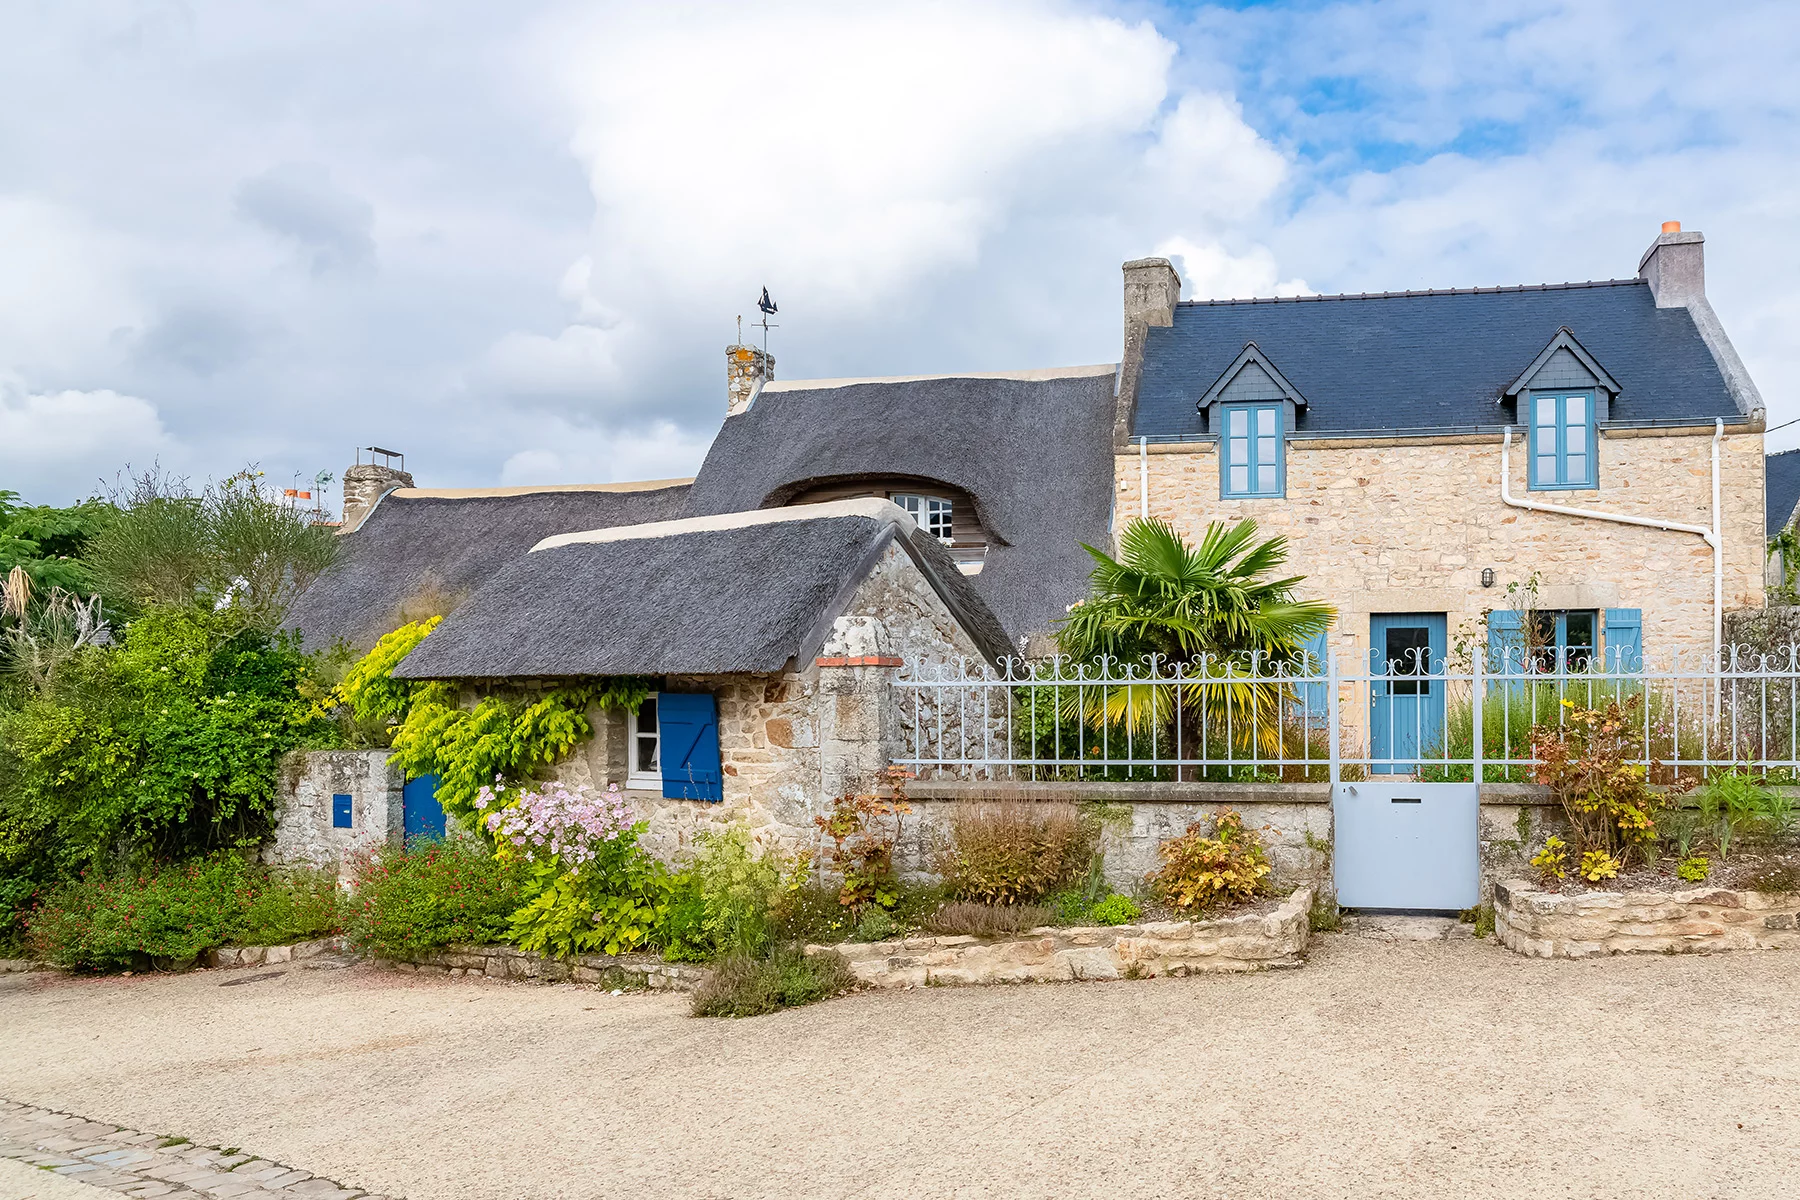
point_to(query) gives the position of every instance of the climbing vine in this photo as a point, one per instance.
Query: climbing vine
(502, 738)
(1787, 545)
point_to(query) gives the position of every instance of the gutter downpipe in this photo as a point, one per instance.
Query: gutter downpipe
(1710, 535)
(1144, 477)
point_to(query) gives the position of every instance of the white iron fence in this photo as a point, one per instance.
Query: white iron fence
(1337, 717)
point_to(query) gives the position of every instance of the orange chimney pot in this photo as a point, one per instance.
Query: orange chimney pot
(1671, 227)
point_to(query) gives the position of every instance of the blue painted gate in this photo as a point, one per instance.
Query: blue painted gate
(1409, 846)
(422, 815)
(1406, 709)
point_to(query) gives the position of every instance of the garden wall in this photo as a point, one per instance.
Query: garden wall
(1253, 942)
(309, 779)
(1544, 924)
(510, 962)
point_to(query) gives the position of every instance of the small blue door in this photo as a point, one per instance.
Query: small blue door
(422, 816)
(1406, 704)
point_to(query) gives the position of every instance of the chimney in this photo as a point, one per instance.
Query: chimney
(1675, 267)
(747, 368)
(367, 482)
(1152, 289)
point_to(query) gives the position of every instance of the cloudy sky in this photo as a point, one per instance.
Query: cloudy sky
(512, 239)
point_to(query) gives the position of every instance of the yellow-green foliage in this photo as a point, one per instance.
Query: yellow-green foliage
(1598, 865)
(1552, 861)
(1201, 872)
(370, 687)
(1694, 868)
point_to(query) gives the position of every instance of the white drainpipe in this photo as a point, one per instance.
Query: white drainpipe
(1711, 536)
(1144, 477)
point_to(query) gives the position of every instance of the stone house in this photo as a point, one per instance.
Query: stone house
(1420, 451)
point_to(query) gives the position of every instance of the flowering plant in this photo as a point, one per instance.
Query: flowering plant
(571, 825)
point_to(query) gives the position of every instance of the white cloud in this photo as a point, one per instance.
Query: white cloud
(573, 454)
(70, 440)
(1211, 272)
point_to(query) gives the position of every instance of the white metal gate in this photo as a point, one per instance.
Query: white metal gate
(1406, 845)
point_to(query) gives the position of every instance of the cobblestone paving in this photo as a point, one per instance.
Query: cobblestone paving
(150, 1164)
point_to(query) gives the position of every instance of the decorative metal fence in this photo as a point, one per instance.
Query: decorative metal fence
(1337, 717)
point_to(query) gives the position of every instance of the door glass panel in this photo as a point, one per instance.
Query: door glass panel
(1240, 423)
(1409, 654)
(1546, 412)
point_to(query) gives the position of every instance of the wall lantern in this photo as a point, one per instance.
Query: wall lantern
(1487, 577)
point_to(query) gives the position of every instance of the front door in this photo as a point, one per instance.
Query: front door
(1406, 705)
(422, 815)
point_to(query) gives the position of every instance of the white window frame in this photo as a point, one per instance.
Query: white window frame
(635, 778)
(926, 511)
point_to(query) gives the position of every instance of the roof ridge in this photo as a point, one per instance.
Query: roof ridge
(875, 507)
(1468, 291)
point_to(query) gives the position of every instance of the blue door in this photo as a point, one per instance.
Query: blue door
(1406, 705)
(422, 815)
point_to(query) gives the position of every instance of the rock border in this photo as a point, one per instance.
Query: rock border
(1540, 924)
(510, 962)
(1067, 953)
(261, 956)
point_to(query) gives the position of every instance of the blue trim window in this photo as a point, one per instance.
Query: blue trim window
(1562, 440)
(1251, 453)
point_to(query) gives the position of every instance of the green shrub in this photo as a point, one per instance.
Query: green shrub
(877, 925)
(1694, 868)
(738, 886)
(682, 934)
(1734, 805)
(1115, 910)
(430, 894)
(741, 986)
(1201, 872)
(170, 915)
(1015, 853)
(1325, 916)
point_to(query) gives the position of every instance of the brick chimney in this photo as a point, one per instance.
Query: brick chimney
(747, 368)
(1675, 266)
(367, 482)
(1152, 289)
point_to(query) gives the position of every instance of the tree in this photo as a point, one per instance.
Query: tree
(47, 543)
(1208, 611)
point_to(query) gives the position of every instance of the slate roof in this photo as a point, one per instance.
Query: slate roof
(686, 597)
(1781, 489)
(1034, 451)
(1430, 360)
(421, 545)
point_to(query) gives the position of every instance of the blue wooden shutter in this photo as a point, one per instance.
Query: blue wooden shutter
(1312, 662)
(1625, 639)
(340, 811)
(1506, 645)
(690, 746)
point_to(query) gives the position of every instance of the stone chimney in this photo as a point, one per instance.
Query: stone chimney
(364, 484)
(747, 368)
(1675, 266)
(1152, 289)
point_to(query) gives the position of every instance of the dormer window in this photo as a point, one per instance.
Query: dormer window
(931, 513)
(1251, 454)
(1562, 440)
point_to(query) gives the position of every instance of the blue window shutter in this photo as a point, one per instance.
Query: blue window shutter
(1312, 662)
(1625, 639)
(1506, 641)
(340, 811)
(690, 746)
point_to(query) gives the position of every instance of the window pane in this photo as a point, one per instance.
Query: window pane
(1577, 469)
(1265, 421)
(646, 717)
(1240, 478)
(1545, 465)
(1237, 451)
(1408, 653)
(1238, 422)
(1546, 411)
(646, 754)
(1576, 438)
(1579, 630)
(1575, 410)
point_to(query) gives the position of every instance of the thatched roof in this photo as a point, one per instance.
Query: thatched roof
(1033, 449)
(745, 592)
(425, 550)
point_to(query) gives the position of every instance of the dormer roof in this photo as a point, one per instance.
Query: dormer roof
(1250, 376)
(1563, 363)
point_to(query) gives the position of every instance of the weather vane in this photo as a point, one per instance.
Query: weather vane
(768, 310)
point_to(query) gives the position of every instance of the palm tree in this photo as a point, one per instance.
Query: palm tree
(1207, 610)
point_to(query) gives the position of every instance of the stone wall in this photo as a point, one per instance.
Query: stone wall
(1393, 525)
(304, 788)
(791, 742)
(510, 962)
(1254, 942)
(1544, 924)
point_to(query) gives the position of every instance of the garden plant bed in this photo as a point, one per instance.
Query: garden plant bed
(510, 962)
(1582, 924)
(1243, 942)
(1762, 869)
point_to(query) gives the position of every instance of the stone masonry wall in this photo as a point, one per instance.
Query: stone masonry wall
(1407, 526)
(1544, 924)
(790, 742)
(308, 780)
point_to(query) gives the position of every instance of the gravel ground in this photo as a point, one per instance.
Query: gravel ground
(1407, 1069)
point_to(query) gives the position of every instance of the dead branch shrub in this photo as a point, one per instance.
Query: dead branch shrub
(1015, 853)
(988, 920)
